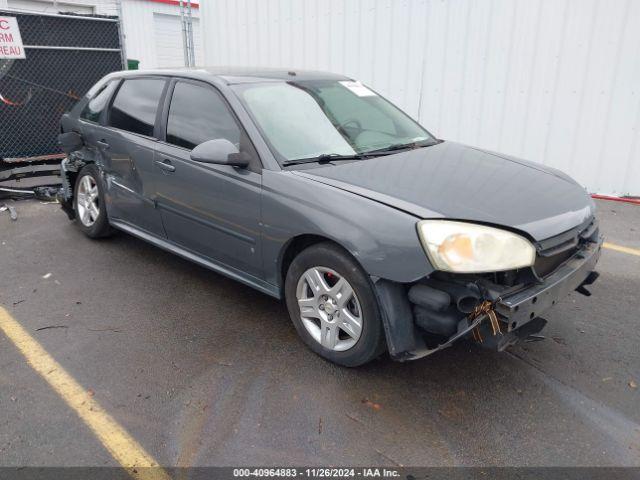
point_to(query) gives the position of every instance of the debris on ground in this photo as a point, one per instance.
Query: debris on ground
(12, 211)
(370, 404)
(44, 193)
(47, 275)
(106, 329)
(355, 419)
(49, 327)
(15, 193)
(633, 384)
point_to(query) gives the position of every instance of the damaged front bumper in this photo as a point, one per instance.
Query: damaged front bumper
(518, 313)
(522, 307)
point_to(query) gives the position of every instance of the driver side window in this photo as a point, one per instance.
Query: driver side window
(197, 114)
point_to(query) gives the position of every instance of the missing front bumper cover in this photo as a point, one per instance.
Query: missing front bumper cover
(518, 314)
(524, 306)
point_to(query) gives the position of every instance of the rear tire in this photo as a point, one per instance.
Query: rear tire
(333, 307)
(89, 204)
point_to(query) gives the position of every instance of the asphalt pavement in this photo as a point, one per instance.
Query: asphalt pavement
(201, 370)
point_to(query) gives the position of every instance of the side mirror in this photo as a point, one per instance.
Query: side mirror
(70, 142)
(219, 151)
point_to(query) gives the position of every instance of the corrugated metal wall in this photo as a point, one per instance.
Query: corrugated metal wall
(554, 81)
(139, 30)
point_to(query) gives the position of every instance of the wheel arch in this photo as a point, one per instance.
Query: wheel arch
(69, 170)
(295, 245)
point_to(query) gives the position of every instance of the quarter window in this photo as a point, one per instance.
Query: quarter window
(197, 114)
(96, 105)
(136, 104)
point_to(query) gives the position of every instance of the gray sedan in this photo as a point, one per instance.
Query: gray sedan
(312, 188)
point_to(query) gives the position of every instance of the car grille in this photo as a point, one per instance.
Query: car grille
(554, 251)
(547, 265)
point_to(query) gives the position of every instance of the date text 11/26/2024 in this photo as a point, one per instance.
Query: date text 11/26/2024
(316, 472)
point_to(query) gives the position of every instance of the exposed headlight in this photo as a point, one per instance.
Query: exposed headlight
(470, 248)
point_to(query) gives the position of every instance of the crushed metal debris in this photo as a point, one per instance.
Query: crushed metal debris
(12, 211)
(43, 193)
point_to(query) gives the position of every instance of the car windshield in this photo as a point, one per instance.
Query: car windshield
(311, 119)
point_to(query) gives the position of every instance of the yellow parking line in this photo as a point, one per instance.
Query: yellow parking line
(124, 449)
(620, 248)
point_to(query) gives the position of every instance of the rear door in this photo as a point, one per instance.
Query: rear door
(126, 145)
(211, 210)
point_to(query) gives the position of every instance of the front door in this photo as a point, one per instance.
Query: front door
(210, 210)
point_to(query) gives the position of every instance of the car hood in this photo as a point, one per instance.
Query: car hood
(454, 181)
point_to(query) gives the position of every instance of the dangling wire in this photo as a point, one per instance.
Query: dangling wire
(485, 308)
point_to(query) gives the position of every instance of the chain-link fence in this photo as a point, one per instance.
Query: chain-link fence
(65, 55)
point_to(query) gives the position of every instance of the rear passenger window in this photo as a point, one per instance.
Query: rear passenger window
(96, 105)
(135, 106)
(197, 114)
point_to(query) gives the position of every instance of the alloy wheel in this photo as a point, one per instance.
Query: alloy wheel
(329, 308)
(88, 201)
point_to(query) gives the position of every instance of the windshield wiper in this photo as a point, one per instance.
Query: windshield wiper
(324, 158)
(329, 157)
(402, 146)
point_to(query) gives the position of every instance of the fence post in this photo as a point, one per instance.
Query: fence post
(123, 50)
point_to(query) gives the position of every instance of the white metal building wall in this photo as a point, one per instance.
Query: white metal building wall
(169, 52)
(140, 29)
(554, 81)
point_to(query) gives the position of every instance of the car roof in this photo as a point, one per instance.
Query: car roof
(234, 75)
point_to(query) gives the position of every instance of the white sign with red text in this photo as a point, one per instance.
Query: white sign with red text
(10, 39)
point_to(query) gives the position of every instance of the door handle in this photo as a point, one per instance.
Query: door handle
(165, 165)
(103, 144)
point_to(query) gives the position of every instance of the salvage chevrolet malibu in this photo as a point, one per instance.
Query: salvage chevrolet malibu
(312, 188)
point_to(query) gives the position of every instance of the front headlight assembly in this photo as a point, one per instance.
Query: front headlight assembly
(470, 248)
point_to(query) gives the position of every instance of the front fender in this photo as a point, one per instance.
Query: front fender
(383, 239)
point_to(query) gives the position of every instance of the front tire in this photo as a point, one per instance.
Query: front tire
(332, 305)
(89, 205)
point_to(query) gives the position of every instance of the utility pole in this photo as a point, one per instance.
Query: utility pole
(192, 50)
(184, 35)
